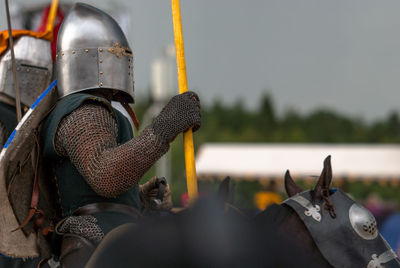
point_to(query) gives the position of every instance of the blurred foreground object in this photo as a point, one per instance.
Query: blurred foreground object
(202, 236)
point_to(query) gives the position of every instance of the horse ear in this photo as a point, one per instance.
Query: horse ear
(325, 179)
(290, 186)
(223, 191)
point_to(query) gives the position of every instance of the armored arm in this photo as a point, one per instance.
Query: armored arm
(88, 137)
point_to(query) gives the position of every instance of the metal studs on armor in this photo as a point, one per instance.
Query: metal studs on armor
(363, 222)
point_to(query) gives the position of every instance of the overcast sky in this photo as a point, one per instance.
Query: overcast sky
(343, 54)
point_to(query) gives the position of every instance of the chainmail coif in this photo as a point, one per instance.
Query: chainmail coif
(88, 137)
(3, 134)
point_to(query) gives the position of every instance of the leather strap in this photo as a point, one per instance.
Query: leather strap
(33, 209)
(105, 206)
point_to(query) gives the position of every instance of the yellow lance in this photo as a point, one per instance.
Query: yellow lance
(52, 16)
(191, 179)
(14, 66)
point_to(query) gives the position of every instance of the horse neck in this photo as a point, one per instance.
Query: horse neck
(291, 226)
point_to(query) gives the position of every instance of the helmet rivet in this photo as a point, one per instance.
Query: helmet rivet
(101, 50)
(86, 50)
(73, 51)
(101, 72)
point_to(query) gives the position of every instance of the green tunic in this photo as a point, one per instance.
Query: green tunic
(73, 189)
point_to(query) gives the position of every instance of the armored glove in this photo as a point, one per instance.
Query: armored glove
(149, 192)
(181, 113)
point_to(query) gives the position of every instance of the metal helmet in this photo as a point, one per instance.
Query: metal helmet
(93, 53)
(34, 67)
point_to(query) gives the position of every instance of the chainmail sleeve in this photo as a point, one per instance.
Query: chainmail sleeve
(88, 137)
(3, 134)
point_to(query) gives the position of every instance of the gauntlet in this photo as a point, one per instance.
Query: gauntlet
(181, 113)
(149, 192)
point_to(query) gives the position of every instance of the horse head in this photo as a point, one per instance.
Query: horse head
(347, 236)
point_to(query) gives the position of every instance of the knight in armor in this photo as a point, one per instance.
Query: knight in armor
(97, 162)
(34, 68)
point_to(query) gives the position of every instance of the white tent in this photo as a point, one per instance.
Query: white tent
(266, 161)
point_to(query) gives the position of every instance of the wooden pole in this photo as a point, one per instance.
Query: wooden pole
(14, 66)
(191, 178)
(52, 15)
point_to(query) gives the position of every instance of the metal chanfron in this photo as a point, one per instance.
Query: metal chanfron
(34, 68)
(351, 239)
(92, 53)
